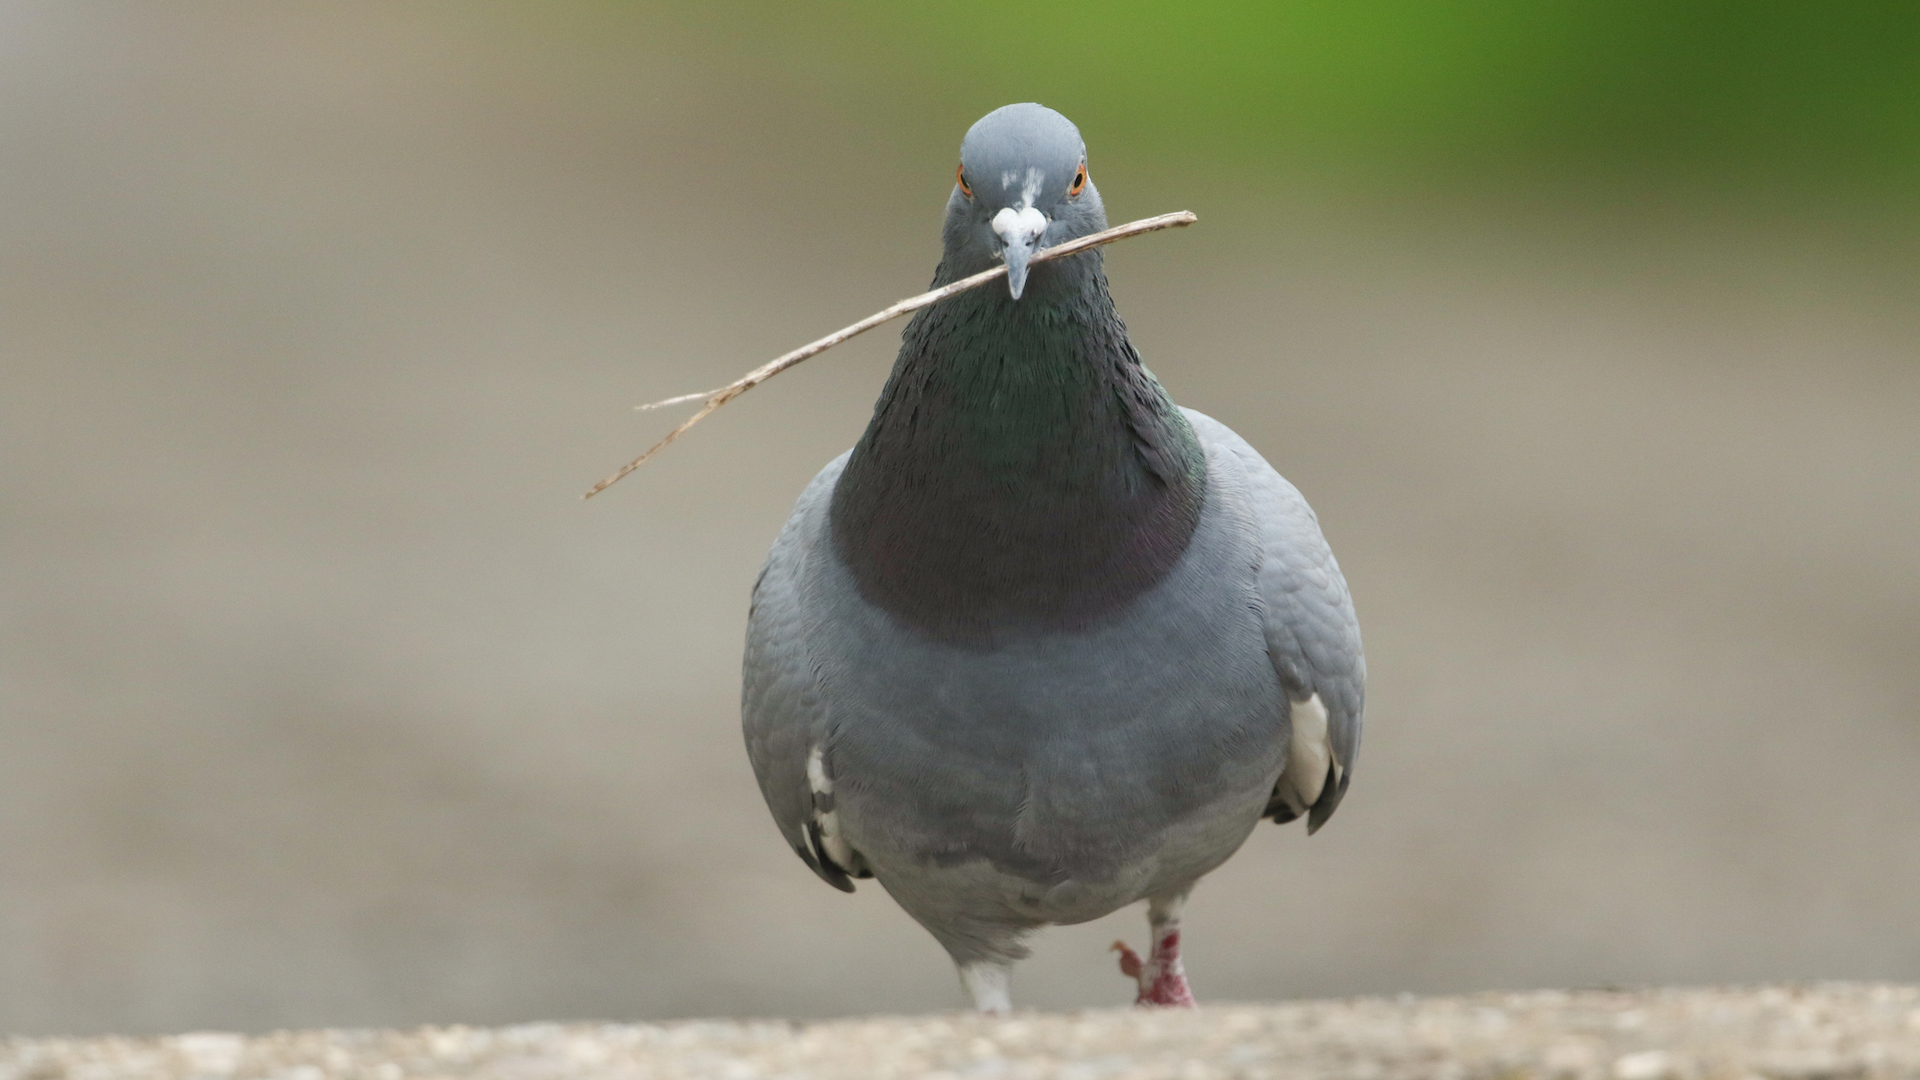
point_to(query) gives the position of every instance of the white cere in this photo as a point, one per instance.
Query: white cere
(1020, 227)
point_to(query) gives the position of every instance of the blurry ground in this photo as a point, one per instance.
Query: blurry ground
(325, 701)
(1773, 1033)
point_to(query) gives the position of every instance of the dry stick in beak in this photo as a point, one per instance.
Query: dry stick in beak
(716, 398)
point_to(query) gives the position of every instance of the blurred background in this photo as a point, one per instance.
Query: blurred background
(1592, 330)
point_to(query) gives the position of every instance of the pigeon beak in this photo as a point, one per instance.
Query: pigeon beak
(1019, 232)
(1017, 256)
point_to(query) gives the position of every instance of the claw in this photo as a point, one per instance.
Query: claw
(1160, 978)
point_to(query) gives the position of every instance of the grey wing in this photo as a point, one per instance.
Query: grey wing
(1312, 635)
(781, 713)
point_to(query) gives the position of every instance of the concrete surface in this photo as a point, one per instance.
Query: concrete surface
(1820, 1032)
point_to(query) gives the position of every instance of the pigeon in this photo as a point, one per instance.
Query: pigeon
(1043, 644)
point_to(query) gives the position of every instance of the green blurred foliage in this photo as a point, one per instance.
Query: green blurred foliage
(1724, 96)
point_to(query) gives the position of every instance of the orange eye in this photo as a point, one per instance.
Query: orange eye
(1079, 180)
(960, 174)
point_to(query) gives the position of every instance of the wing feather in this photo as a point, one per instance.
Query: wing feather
(1312, 634)
(781, 713)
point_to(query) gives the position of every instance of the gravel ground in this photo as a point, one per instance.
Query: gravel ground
(1817, 1032)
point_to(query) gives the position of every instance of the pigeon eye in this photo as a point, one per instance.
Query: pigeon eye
(1079, 181)
(960, 174)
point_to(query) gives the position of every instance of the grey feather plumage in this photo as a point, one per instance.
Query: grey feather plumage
(1047, 774)
(999, 792)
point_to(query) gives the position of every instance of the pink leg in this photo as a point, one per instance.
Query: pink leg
(1162, 979)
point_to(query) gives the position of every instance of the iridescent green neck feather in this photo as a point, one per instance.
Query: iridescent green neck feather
(1023, 473)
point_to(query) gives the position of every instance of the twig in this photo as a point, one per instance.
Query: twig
(716, 398)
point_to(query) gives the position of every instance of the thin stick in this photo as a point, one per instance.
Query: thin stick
(716, 398)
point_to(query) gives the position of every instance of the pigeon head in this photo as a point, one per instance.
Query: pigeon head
(1022, 186)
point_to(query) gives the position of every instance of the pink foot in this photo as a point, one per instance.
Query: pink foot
(1163, 982)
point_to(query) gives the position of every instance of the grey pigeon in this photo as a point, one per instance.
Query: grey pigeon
(1043, 644)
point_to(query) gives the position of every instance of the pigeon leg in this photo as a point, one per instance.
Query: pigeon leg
(1162, 978)
(987, 984)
